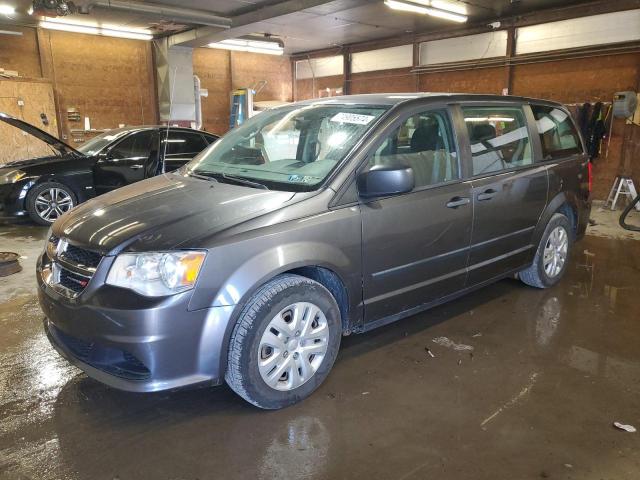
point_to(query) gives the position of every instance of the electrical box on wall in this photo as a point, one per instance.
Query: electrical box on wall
(624, 104)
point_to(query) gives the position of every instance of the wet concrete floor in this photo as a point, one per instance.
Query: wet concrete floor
(548, 374)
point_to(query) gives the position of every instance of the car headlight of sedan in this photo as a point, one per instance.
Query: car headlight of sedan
(156, 274)
(11, 176)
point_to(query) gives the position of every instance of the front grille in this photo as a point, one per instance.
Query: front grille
(72, 267)
(110, 360)
(72, 281)
(80, 256)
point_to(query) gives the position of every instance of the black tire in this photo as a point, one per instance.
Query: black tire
(535, 275)
(243, 375)
(43, 187)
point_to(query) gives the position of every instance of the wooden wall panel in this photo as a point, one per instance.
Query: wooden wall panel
(479, 80)
(20, 53)
(213, 68)
(38, 99)
(221, 71)
(396, 80)
(106, 79)
(578, 80)
(247, 69)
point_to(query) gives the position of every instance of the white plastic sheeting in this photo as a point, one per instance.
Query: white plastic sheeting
(460, 49)
(319, 67)
(382, 59)
(579, 32)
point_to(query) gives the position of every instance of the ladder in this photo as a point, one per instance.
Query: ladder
(622, 186)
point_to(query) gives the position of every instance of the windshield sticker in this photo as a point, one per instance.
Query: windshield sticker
(354, 118)
(301, 178)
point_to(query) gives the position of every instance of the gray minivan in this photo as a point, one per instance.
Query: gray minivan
(311, 221)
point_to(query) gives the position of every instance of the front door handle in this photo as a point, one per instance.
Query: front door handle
(136, 166)
(486, 195)
(456, 202)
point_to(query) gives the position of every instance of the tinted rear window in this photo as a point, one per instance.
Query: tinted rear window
(185, 143)
(558, 134)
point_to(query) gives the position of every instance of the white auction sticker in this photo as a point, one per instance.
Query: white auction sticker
(355, 118)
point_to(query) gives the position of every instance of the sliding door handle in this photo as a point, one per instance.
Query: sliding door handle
(486, 195)
(456, 202)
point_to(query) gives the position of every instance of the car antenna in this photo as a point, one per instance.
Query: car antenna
(166, 140)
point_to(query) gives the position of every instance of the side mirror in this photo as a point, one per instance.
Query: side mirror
(385, 180)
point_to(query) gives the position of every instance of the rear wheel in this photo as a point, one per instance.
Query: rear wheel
(552, 255)
(285, 342)
(48, 201)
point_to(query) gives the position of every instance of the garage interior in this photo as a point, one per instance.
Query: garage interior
(506, 382)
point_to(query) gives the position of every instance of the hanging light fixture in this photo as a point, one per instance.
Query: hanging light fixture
(93, 29)
(448, 10)
(250, 45)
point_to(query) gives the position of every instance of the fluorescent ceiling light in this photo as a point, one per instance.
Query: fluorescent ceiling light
(428, 7)
(10, 32)
(107, 31)
(6, 9)
(254, 46)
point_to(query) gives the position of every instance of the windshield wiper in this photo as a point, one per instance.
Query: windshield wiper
(208, 178)
(234, 178)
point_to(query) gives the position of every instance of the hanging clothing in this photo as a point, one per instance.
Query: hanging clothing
(596, 131)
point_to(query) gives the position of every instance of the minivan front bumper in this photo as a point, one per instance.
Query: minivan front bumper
(162, 347)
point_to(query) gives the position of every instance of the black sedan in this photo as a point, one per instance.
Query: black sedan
(44, 188)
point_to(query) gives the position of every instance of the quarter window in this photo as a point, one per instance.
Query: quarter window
(499, 138)
(558, 134)
(425, 143)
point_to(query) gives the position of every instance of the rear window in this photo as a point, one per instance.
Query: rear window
(185, 143)
(558, 134)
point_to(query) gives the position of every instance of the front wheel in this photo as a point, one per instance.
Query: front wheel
(285, 342)
(48, 201)
(552, 254)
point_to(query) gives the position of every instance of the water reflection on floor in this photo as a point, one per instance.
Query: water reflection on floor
(535, 396)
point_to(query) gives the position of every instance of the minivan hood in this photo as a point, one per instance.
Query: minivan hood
(162, 213)
(49, 139)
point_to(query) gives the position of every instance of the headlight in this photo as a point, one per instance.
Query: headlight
(11, 176)
(156, 274)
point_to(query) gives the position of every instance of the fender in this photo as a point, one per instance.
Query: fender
(79, 181)
(261, 268)
(552, 207)
(241, 285)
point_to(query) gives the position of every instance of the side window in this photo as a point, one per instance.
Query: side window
(185, 143)
(424, 142)
(499, 138)
(137, 145)
(558, 134)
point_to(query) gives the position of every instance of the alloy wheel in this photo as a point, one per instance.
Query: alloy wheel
(555, 251)
(51, 204)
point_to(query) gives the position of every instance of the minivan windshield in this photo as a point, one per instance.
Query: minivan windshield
(291, 148)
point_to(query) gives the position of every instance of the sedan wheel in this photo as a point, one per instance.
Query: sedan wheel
(48, 201)
(52, 203)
